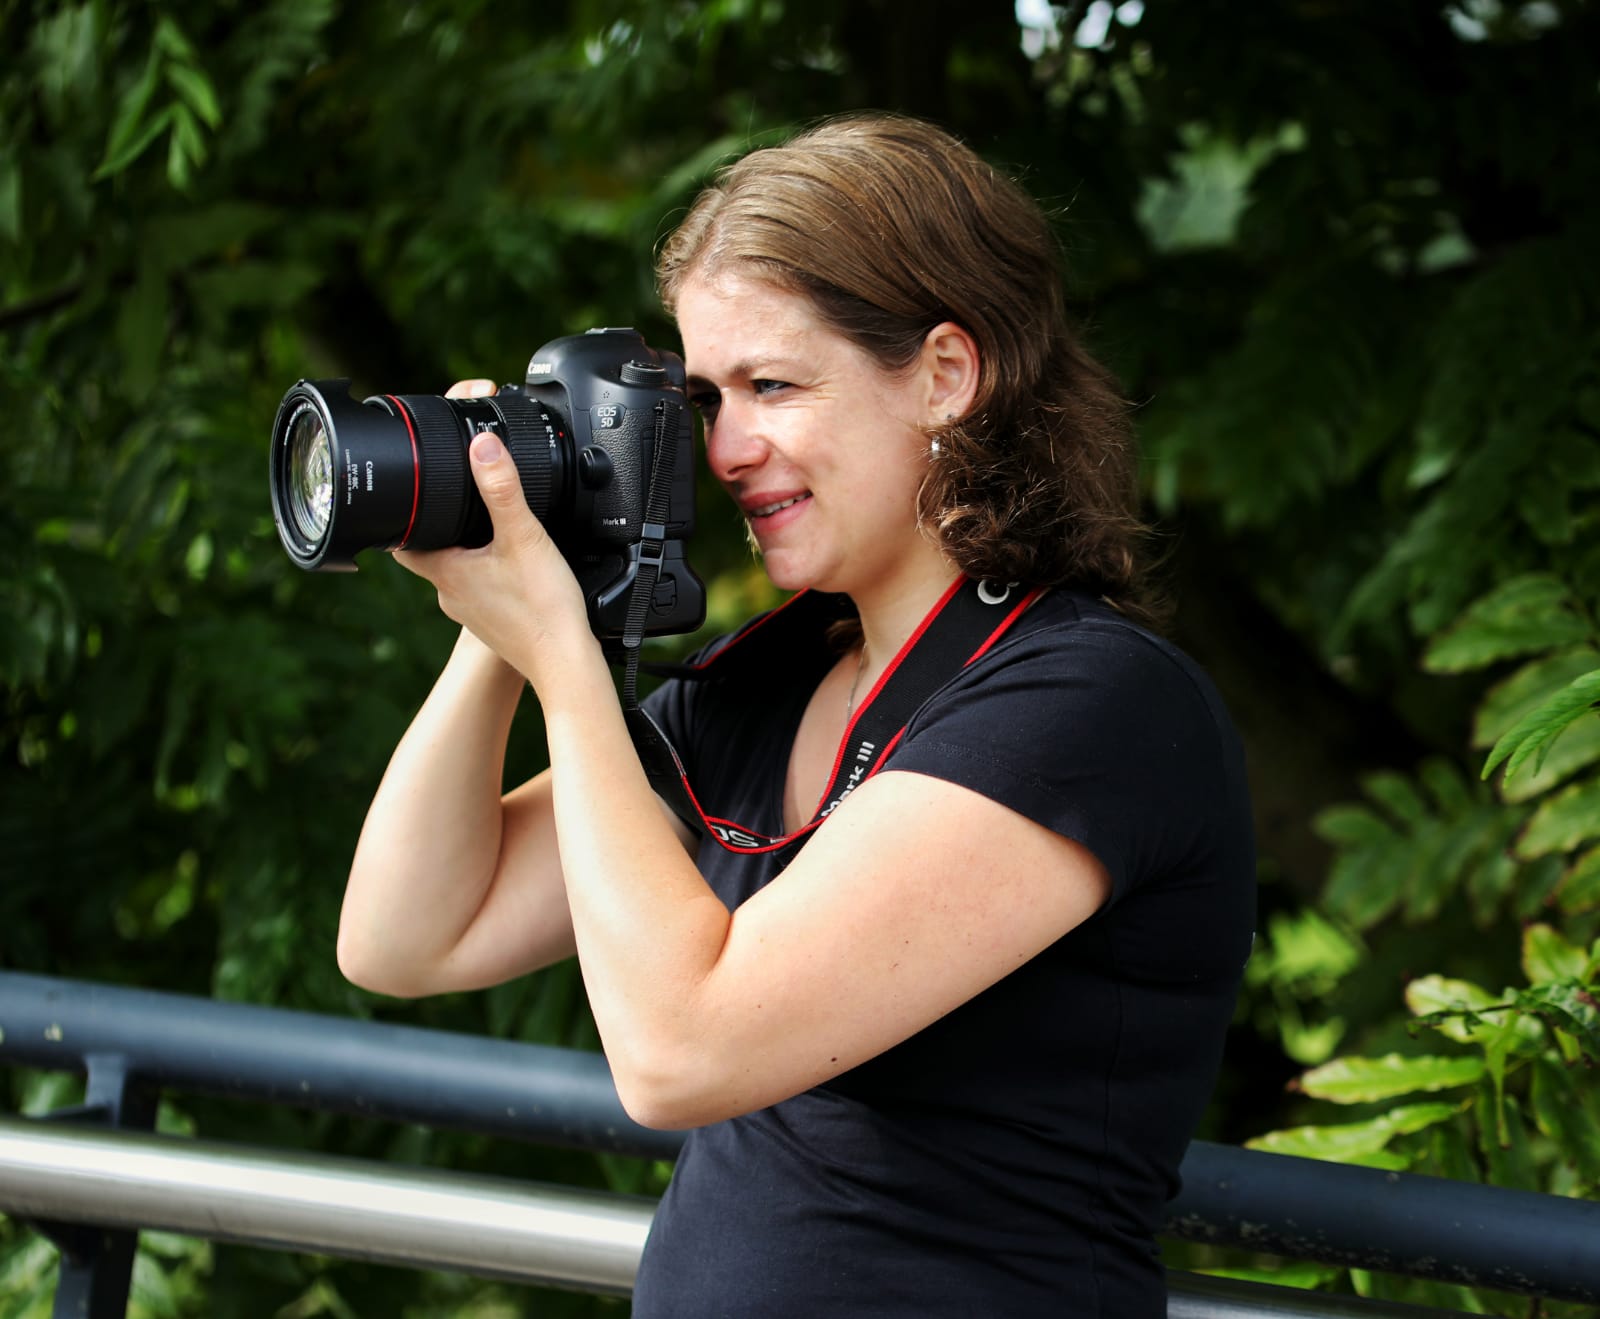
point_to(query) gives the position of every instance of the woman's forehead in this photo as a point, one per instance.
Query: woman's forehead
(732, 324)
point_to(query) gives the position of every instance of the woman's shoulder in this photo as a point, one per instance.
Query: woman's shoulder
(1087, 722)
(1069, 640)
(1075, 678)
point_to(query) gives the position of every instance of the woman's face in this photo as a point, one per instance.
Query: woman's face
(822, 450)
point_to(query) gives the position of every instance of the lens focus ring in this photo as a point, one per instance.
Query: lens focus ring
(442, 460)
(530, 436)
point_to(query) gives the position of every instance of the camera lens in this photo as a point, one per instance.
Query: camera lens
(310, 474)
(391, 472)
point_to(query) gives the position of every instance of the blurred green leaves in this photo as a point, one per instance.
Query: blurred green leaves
(1342, 256)
(190, 108)
(1514, 1090)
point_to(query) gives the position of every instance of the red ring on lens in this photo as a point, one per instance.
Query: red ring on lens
(416, 467)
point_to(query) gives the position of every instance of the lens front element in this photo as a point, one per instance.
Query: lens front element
(310, 474)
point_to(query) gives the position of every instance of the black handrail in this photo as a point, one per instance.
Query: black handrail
(527, 1092)
(1404, 1223)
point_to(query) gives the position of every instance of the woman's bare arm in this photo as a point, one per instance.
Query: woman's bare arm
(453, 886)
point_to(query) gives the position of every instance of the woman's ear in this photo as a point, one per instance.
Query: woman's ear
(951, 367)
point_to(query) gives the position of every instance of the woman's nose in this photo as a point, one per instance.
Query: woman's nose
(733, 446)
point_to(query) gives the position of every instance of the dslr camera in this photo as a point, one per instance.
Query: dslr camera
(602, 437)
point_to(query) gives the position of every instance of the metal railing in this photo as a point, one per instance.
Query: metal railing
(132, 1042)
(289, 1199)
(425, 1218)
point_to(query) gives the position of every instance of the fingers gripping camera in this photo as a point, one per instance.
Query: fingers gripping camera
(602, 438)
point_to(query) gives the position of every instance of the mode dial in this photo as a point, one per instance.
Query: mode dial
(643, 373)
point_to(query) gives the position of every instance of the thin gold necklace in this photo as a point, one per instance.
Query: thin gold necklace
(850, 700)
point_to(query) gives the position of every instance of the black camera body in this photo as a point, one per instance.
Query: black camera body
(602, 438)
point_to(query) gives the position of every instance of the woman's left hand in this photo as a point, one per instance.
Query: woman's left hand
(516, 594)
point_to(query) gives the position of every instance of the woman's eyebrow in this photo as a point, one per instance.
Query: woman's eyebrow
(746, 369)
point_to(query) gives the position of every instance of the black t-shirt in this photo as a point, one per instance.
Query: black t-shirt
(1013, 1158)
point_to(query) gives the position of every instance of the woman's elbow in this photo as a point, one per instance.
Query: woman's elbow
(366, 968)
(674, 1091)
(658, 1108)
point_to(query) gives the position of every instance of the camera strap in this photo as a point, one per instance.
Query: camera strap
(651, 546)
(969, 618)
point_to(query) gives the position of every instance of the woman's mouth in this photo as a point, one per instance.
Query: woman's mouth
(767, 510)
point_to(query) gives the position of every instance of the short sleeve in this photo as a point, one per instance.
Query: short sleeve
(673, 707)
(1101, 732)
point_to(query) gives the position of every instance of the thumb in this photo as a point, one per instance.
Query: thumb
(500, 486)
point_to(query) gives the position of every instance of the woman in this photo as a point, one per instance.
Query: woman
(945, 1057)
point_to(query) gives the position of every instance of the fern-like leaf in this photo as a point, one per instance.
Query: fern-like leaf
(1531, 736)
(1530, 613)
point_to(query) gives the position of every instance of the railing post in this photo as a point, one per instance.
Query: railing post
(97, 1263)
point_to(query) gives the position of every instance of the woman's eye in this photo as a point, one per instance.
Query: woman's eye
(706, 401)
(762, 387)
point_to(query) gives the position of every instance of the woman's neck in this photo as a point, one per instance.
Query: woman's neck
(891, 610)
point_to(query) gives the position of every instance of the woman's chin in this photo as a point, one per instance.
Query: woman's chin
(785, 581)
(790, 572)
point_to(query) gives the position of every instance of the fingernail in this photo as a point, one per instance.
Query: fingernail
(480, 389)
(486, 448)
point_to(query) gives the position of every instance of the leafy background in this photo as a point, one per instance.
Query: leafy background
(1341, 253)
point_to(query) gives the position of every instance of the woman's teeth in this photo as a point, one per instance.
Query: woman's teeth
(770, 509)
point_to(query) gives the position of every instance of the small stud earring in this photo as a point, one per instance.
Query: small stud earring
(934, 449)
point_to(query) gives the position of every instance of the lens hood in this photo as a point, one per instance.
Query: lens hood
(371, 452)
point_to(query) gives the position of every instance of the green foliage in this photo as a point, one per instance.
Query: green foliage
(1526, 714)
(27, 1274)
(1516, 1108)
(1362, 1080)
(1520, 1113)
(1340, 254)
(191, 103)
(1533, 735)
(1366, 1142)
(1528, 614)
(1302, 957)
(1417, 844)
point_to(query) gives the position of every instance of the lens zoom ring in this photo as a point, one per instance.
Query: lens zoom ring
(442, 454)
(528, 429)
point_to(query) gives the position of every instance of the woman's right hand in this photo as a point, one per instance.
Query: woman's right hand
(516, 592)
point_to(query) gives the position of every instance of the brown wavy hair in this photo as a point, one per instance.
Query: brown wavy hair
(889, 226)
